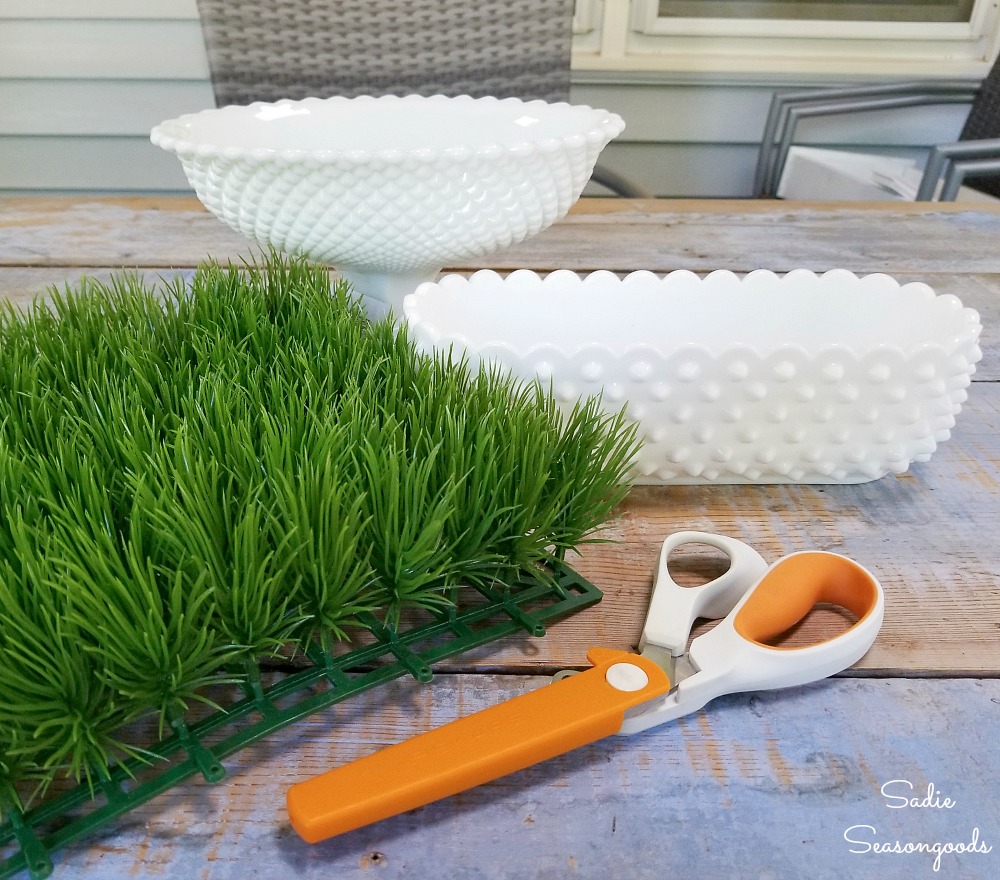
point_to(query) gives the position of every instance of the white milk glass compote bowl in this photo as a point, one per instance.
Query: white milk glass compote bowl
(391, 189)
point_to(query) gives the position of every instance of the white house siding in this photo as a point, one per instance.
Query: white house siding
(83, 81)
(81, 84)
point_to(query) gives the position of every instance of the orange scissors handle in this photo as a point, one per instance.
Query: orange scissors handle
(506, 737)
(737, 655)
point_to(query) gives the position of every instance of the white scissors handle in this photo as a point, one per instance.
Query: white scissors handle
(621, 692)
(673, 609)
(735, 657)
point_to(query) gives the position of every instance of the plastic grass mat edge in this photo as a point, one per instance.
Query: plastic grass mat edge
(43, 830)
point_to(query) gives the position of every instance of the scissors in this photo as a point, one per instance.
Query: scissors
(623, 692)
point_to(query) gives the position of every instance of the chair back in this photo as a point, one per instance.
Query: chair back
(264, 50)
(984, 123)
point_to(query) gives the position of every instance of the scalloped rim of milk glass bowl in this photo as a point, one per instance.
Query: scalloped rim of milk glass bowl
(390, 189)
(799, 378)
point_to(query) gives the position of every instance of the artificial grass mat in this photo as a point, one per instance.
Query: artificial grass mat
(196, 476)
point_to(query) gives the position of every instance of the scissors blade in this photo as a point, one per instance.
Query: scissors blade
(678, 667)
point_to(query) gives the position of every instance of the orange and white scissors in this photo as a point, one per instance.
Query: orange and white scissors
(622, 693)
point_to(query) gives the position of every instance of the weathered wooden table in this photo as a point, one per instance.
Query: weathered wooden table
(811, 781)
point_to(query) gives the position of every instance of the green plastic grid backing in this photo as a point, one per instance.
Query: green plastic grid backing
(40, 831)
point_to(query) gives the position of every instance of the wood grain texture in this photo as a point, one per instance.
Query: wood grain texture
(761, 786)
(925, 534)
(621, 236)
(928, 535)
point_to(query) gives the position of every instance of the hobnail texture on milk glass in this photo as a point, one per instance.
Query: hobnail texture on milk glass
(800, 378)
(390, 189)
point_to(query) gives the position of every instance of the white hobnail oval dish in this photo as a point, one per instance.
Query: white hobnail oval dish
(390, 189)
(760, 378)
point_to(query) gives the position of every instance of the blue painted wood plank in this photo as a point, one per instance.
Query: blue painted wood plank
(763, 786)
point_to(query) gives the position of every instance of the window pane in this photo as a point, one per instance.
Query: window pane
(820, 10)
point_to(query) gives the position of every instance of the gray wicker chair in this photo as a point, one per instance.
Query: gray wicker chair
(974, 160)
(265, 50)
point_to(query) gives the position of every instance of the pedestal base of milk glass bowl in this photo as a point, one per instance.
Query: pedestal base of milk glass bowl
(382, 292)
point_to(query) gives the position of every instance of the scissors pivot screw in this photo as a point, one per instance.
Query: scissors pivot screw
(626, 677)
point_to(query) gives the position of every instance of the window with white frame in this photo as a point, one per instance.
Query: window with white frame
(913, 38)
(817, 10)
